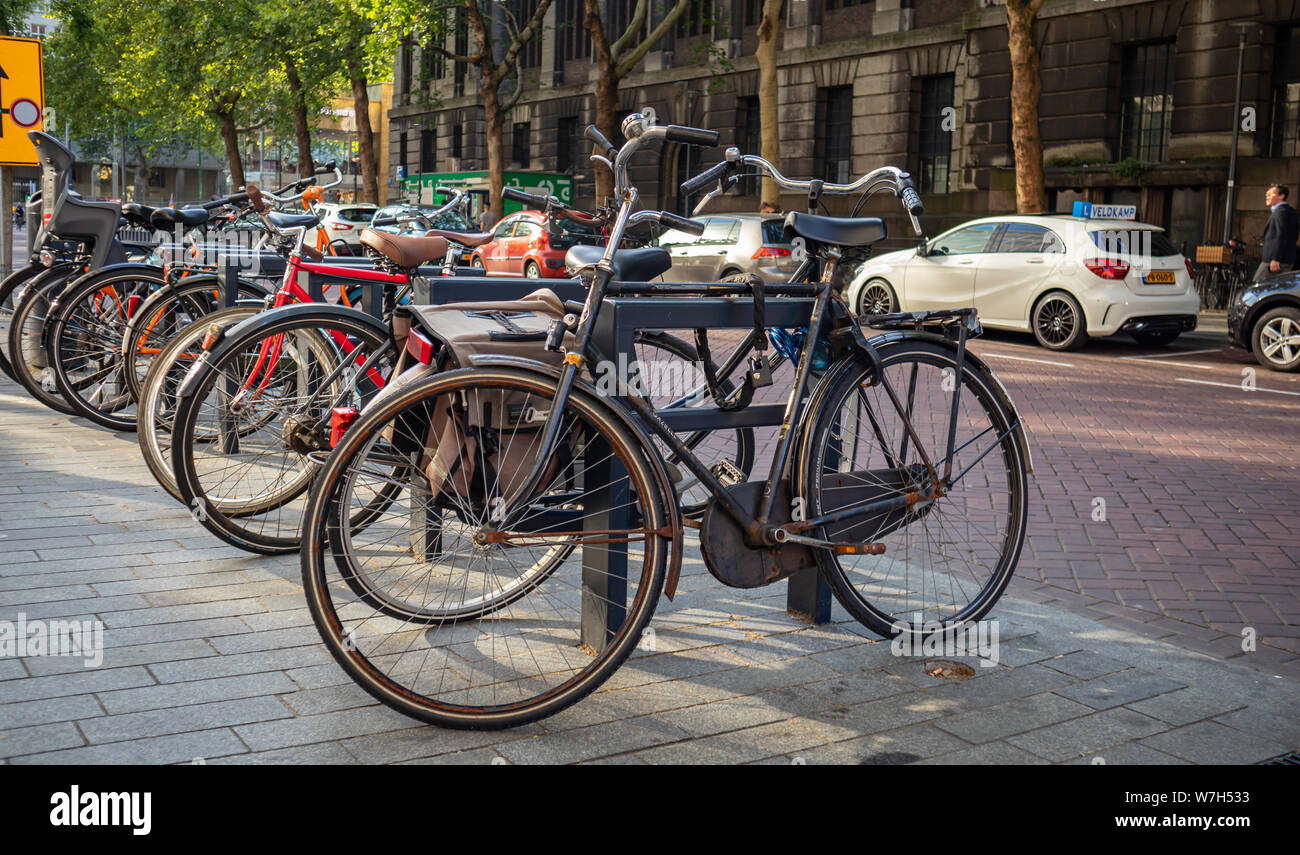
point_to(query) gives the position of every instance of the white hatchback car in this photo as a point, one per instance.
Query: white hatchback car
(1063, 278)
(342, 222)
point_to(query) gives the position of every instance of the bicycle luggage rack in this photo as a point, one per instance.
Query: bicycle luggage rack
(807, 594)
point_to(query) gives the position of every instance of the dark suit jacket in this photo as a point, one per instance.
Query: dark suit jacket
(1280, 235)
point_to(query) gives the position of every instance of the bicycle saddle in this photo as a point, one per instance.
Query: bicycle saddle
(292, 221)
(406, 251)
(839, 231)
(164, 218)
(470, 239)
(136, 211)
(630, 265)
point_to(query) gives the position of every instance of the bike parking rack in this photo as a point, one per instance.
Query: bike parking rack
(605, 570)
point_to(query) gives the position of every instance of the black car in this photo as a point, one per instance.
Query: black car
(1265, 319)
(420, 218)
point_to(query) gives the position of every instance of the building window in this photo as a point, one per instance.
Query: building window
(407, 71)
(1146, 101)
(571, 39)
(697, 20)
(401, 149)
(461, 48)
(619, 16)
(1285, 140)
(428, 150)
(566, 145)
(434, 66)
(834, 140)
(936, 133)
(844, 4)
(457, 140)
(157, 177)
(749, 136)
(521, 144)
(530, 55)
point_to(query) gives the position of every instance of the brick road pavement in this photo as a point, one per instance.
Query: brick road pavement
(1119, 639)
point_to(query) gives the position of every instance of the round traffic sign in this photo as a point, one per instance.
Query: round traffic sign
(25, 112)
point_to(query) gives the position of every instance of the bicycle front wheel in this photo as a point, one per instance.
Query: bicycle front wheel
(248, 441)
(441, 618)
(947, 560)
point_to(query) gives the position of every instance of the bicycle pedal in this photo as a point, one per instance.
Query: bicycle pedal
(759, 374)
(727, 473)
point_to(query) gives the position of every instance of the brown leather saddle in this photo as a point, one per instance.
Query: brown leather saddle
(469, 239)
(406, 251)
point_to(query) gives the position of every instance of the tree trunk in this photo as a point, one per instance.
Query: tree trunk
(365, 135)
(1026, 84)
(768, 94)
(226, 115)
(487, 93)
(301, 127)
(607, 124)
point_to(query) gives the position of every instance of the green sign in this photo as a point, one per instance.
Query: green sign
(420, 188)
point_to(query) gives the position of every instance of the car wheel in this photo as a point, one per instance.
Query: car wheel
(1059, 323)
(1157, 339)
(876, 298)
(1276, 339)
(477, 262)
(532, 271)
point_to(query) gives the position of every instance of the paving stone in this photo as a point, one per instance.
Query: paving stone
(18, 741)
(858, 688)
(1016, 716)
(892, 748)
(1122, 688)
(304, 730)
(413, 743)
(120, 657)
(747, 711)
(476, 757)
(1130, 754)
(573, 746)
(182, 719)
(1186, 706)
(1214, 743)
(1086, 665)
(61, 685)
(45, 711)
(201, 691)
(163, 749)
(320, 754)
(242, 663)
(989, 754)
(736, 746)
(1088, 734)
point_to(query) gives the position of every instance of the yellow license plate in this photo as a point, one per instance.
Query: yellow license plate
(1159, 277)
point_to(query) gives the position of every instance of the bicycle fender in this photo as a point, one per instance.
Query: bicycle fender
(264, 320)
(630, 421)
(242, 284)
(1022, 436)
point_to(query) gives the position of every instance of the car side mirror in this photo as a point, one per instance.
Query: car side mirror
(923, 249)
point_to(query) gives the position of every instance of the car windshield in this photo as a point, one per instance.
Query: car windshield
(451, 221)
(1118, 241)
(356, 215)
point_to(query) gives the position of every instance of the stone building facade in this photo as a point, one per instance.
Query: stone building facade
(1136, 105)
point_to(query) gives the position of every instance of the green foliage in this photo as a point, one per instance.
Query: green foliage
(1130, 168)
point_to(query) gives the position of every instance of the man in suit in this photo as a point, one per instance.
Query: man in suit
(1279, 235)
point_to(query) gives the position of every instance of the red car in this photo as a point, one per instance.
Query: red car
(521, 246)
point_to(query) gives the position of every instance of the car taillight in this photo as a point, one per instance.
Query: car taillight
(771, 252)
(1191, 271)
(343, 227)
(1107, 268)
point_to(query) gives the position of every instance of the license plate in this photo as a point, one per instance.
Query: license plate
(1159, 277)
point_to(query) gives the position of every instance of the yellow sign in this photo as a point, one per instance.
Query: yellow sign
(22, 99)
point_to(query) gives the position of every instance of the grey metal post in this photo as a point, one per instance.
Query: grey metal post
(1236, 130)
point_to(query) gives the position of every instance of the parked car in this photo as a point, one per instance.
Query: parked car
(342, 222)
(417, 219)
(1063, 278)
(730, 244)
(521, 246)
(1265, 319)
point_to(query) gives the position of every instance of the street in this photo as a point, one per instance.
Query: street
(1164, 630)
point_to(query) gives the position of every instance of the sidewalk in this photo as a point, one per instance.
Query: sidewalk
(211, 655)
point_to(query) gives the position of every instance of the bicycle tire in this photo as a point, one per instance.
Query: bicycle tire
(861, 482)
(27, 355)
(349, 633)
(8, 291)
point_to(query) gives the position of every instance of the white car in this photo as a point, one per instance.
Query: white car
(1063, 278)
(342, 222)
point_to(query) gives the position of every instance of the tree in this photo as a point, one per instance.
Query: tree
(616, 60)
(493, 72)
(1026, 84)
(368, 42)
(769, 124)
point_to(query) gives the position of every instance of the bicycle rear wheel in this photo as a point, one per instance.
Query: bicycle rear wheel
(483, 633)
(156, 408)
(946, 560)
(28, 358)
(249, 439)
(9, 289)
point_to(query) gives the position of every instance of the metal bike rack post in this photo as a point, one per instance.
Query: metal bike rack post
(227, 430)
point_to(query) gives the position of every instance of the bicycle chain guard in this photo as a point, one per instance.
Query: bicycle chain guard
(739, 565)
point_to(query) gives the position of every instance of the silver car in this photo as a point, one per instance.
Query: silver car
(731, 243)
